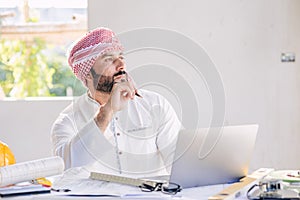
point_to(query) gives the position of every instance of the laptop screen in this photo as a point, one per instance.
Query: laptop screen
(213, 155)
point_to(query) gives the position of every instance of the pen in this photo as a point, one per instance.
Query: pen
(137, 94)
(60, 190)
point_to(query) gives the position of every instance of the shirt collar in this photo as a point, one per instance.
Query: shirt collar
(88, 107)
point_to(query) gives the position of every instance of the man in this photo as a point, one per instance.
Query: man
(114, 125)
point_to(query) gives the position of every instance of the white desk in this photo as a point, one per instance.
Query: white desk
(199, 193)
(78, 181)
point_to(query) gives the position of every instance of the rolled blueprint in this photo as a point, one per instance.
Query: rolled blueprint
(30, 170)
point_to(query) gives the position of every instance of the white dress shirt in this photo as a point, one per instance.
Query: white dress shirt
(140, 140)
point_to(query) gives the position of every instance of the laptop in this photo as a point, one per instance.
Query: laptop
(213, 155)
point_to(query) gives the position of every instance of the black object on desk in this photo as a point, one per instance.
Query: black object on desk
(23, 190)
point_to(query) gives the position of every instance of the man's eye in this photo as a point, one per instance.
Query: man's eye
(121, 57)
(108, 59)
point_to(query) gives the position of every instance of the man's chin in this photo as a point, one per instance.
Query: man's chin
(106, 88)
(107, 91)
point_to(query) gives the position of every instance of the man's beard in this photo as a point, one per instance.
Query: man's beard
(105, 83)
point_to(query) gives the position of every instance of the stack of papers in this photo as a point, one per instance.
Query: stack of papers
(23, 190)
(78, 182)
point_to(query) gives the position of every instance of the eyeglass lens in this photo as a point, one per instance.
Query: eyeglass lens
(170, 188)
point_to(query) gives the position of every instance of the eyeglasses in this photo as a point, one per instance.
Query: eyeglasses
(166, 188)
(144, 184)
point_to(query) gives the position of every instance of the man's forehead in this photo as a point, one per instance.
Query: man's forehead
(112, 53)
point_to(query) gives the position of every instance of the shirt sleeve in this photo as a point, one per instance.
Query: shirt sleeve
(79, 147)
(168, 128)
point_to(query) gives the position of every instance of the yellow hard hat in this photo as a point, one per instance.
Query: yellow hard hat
(6, 155)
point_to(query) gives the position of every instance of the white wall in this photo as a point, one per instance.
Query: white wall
(25, 125)
(245, 40)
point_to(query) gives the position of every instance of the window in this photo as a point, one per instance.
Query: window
(34, 38)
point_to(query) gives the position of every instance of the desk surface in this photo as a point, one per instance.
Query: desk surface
(77, 180)
(186, 194)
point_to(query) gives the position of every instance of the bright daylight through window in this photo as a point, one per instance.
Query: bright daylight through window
(34, 38)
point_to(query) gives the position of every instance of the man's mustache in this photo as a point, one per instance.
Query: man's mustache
(119, 73)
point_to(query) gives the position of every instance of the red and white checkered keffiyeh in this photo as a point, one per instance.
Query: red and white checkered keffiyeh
(85, 52)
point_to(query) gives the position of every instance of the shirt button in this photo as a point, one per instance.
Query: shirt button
(118, 134)
(116, 118)
(120, 152)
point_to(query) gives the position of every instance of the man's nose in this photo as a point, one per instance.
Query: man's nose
(120, 65)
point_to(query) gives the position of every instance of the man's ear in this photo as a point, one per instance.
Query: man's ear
(89, 80)
(89, 76)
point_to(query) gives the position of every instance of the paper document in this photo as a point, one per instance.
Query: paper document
(23, 190)
(77, 180)
(30, 170)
